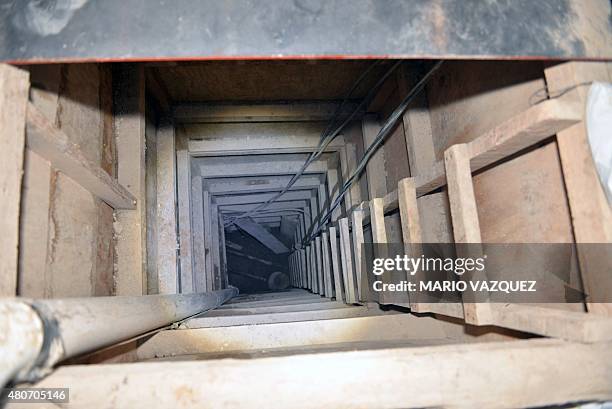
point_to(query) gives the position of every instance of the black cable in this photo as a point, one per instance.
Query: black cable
(327, 139)
(380, 137)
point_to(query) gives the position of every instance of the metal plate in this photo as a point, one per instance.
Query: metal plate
(121, 30)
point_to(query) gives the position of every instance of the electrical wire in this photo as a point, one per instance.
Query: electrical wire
(327, 138)
(385, 130)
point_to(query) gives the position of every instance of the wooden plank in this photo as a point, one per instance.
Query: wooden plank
(290, 112)
(208, 240)
(591, 219)
(519, 132)
(412, 236)
(216, 253)
(167, 240)
(279, 317)
(329, 288)
(347, 261)
(224, 274)
(379, 235)
(386, 327)
(319, 261)
(51, 143)
(183, 180)
(550, 322)
(466, 228)
(262, 235)
(224, 139)
(528, 373)
(357, 234)
(14, 87)
(130, 226)
(336, 265)
(200, 254)
(34, 227)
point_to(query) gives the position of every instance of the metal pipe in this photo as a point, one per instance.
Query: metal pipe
(64, 328)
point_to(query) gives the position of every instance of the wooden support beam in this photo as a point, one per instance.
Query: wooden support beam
(358, 240)
(379, 236)
(34, 227)
(14, 87)
(348, 272)
(216, 250)
(262, 235)
(590, 210)
(528, 373)
(466, 228)
(319, 261)
(255, 138)
(183, 181)
(51, 143)
(336, 264)
(550, 322)
(290, 112)
(130, 226)
(224, 276)
(209, 275)
(167, 240)
(200, 253)
(327, 268)
(517, 133)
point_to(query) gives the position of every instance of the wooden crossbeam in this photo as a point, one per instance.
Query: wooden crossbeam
(527, 373)
(517, 133)
(51, 143)
(262, 235)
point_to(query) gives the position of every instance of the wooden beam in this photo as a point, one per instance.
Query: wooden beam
(327, 268)
(347, 261)
(262, 235)
(289, 112)
(517, 133)
(590, 210)
(183, 181)
(130, 226)
(335, 259)
(199, 277)
(527, 373)
(550, 322)
(14, 87)
(255, 138)
(466, 228)
(51, 143)
(215, 249)
(167, 240)
(358, 240)
(207, 242)
(319, 261)
(392, 326)
(379, 236)
(34, 227)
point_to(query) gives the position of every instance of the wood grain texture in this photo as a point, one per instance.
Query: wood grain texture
(591, 213)
(52, 144)
(14, 86)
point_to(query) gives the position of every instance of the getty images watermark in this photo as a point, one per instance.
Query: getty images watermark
(458, 266)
